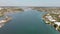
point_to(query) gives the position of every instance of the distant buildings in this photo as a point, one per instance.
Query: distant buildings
(52, 21)
(48, 9)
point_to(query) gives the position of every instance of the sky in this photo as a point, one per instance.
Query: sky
(29, 2)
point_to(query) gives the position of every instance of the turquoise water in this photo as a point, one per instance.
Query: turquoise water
(28, 22)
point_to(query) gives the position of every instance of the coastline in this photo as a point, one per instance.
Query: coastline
(51, 22)
(4, 21)
(4, 13)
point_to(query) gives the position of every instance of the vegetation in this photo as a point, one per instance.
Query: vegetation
(55, 25)
(54, 17)
(4, 10)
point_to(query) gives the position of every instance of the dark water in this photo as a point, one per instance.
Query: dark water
(29, 22)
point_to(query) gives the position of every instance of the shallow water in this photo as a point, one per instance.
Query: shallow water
(28, 22)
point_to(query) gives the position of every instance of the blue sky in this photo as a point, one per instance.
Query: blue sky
(29, 2)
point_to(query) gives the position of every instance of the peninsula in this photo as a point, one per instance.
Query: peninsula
(4, 11)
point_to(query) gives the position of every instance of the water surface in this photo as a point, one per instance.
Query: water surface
(29, 22)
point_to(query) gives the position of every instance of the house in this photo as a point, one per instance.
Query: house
(50, 18)
(58, 23)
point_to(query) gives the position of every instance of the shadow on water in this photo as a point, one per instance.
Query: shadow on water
(29, 22)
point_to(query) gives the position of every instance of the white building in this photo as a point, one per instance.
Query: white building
(1, 8)
(58, 23)
(50, 18)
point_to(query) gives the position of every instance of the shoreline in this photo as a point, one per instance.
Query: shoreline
(7, 17)
(5, 20)
(52, 23)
